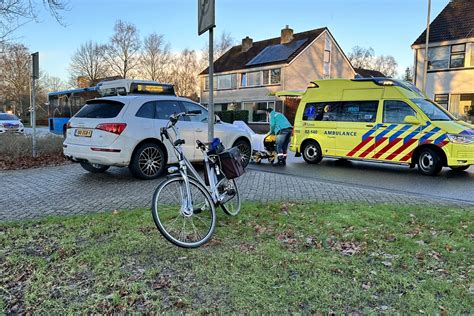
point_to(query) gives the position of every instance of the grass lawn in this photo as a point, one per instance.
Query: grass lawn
(276, 258)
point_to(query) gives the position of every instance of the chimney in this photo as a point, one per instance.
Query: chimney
(286, 35)
(247, 44)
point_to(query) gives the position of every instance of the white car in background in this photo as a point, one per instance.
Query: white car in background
(10, 124)
(125, 131)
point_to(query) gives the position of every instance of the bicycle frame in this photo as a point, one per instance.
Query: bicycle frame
(185, 166)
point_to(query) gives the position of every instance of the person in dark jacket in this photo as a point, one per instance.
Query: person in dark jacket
(281, 127)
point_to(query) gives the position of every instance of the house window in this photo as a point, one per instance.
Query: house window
(257, 111)
(259, 78)
(472, 54)
(442, 99)
(251, 79)
(438, 57)
(457, 56)
(227, 82)
(327, 57)
(272, 76)
(445, 57)
(275, 76)
(222, 82)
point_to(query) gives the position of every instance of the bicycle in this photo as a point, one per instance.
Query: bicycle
(184, 204)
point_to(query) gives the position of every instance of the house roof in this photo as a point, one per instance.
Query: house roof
(455, 22)
(235, 59)
(367, 73)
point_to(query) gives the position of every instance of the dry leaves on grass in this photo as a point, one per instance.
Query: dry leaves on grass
(30, 162)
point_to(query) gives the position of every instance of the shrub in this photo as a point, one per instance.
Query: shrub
(231, 116)
(13, 147)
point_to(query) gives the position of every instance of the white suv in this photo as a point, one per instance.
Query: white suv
(125, 131)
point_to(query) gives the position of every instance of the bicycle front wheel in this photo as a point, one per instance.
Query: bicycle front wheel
(230, 198)
(186, 221)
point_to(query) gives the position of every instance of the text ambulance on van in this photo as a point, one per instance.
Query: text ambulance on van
(379, 119)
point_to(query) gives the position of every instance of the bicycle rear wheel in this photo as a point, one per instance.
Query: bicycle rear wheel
(184, 227)
(228, 190)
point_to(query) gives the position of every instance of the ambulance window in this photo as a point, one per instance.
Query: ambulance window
(358, 111)
(321, 111)
(395, 111)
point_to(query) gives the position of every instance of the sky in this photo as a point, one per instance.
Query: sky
(388, 26)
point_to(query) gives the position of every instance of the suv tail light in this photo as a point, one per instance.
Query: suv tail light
(116, 128)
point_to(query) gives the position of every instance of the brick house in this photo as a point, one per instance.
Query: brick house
(450, 77)
(247, 74)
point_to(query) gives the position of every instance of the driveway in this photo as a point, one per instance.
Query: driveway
(70, 190)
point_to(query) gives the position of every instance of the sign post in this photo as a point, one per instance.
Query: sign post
(207, 22)
(34, 76)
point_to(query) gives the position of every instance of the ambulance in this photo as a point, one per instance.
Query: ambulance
(379, 120)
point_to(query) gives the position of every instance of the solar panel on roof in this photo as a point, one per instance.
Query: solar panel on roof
(275, 53)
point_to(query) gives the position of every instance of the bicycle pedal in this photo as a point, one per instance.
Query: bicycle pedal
(197, 210)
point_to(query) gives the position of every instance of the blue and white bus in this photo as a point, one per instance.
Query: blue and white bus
(62, 105)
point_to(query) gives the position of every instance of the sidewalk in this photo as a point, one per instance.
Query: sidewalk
(70, 190)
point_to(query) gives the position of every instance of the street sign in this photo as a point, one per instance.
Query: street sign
(206, 15)
(34, 76)
(35, 57)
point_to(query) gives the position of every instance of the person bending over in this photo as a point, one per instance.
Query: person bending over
(281, 127)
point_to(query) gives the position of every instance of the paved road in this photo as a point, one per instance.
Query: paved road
(449, 184)
(68, 190)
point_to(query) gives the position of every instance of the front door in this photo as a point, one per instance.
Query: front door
(396, 140)
(356, 127)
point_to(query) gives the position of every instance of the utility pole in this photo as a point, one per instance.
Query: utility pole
(207, 22)
(34, 76)
(425, 64)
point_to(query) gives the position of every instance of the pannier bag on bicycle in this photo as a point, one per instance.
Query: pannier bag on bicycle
(230, 162)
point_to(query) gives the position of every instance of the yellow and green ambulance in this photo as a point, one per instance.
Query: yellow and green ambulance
(380, 120)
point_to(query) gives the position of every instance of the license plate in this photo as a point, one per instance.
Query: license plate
(83, 132)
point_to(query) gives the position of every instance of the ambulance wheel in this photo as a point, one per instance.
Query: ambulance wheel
(461, 168)
(429, 162)
(312, 152)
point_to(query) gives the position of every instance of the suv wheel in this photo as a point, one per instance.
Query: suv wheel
(148, 162)
(245, 151)
(312, 152)
(94, 167)
(429, 162)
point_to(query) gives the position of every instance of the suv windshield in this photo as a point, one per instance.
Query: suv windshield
(433, 110)
(8, 117)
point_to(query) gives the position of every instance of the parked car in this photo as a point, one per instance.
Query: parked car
(10, 124)
(125, 131)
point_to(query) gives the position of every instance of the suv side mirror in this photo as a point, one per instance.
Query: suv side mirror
(217, 119)
(410, 119)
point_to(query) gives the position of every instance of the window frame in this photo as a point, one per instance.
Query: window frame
(383, 111)
(436, 99)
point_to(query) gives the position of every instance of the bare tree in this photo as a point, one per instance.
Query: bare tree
(122, 52)
(15, 13)
(386, 65)
(88, 61)
(155, 58)
(361, 57)
(15, 77)
(184, 71)
(221, 46)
